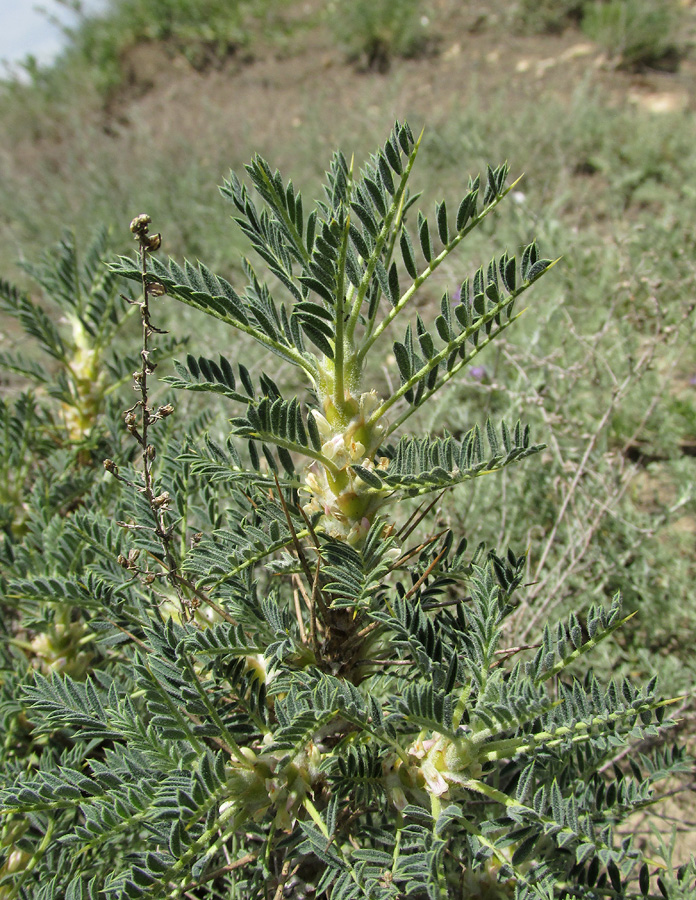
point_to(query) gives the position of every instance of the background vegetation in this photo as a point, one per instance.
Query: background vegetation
(152, 103)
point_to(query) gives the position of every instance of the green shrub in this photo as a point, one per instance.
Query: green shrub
(550, 16)
(299, 683)
(203, 31)
(637, 33)
(373, 31)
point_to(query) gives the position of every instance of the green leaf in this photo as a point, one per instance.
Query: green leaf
(407, 254)
(385, 174)
(314, 284)
(442, 226)
(402, 360)
(391, 151)
(376, 195)
(539, 267)
(584, 851)
(359, 242)
(644, 880)
(369, 477)
(382, 278)
(394, 290)
(524, 849)
(365, 217)
(318, 338)
(466, 210)
(313, 431)
(424, 236)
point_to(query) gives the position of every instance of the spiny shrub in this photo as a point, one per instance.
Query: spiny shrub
(297, 686)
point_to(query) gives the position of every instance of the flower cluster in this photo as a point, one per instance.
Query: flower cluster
(435, 765)
(348, 504)
(89, 382)
(272, 780)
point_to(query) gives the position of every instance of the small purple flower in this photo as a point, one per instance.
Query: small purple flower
(478, 373)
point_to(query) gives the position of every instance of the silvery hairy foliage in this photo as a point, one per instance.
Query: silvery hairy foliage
(298, 685)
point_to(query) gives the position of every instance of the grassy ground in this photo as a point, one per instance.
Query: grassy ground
(602, 363)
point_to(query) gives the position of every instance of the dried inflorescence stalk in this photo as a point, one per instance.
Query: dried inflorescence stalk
(139, 425)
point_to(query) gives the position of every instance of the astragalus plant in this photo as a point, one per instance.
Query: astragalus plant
(303, 686)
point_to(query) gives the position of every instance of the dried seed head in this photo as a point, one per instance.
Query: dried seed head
(162, 500)
(154, 242)
(130, 419)
(150, 452)
(139, 225)
(122, 560)
(165, 411)
(111, 466)
(155, 289)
